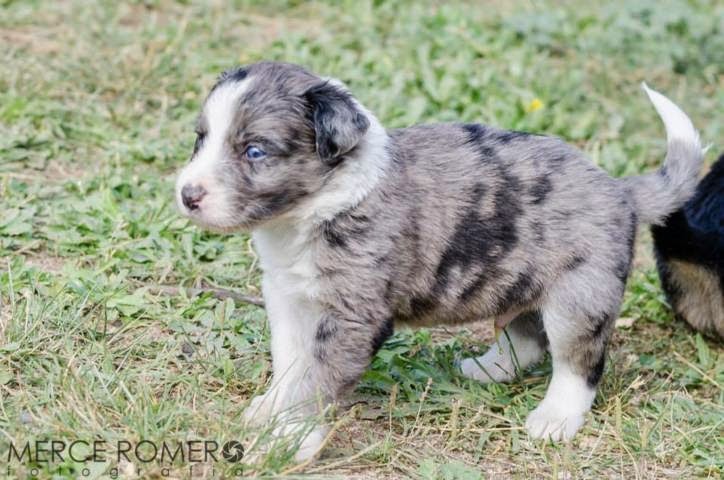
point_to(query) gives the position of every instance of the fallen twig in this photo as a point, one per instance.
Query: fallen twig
(220, 293)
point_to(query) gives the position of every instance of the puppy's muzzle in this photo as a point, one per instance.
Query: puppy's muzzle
(191, 195)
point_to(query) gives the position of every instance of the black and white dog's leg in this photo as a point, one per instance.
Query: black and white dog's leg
(521, 345)
(577, 335)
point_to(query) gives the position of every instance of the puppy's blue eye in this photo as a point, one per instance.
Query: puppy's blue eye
(254, 153)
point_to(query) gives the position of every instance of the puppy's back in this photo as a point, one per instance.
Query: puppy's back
(488, 218)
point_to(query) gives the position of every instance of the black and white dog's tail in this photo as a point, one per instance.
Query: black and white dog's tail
(661, 193)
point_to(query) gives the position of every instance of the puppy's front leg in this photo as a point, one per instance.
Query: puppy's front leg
(292, 320)
(317, 354)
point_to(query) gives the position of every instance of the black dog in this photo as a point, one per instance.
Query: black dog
(690, 255)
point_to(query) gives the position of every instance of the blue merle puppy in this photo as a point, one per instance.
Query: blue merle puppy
(690, 255)
(359, 228)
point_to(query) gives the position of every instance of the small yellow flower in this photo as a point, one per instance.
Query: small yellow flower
(534, 105)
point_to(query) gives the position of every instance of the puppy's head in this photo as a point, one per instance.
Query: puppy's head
(269, 136)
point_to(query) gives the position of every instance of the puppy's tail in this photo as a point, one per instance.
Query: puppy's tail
(661, 193)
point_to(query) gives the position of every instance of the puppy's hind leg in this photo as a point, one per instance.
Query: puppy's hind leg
(521, 345)
(577, 336)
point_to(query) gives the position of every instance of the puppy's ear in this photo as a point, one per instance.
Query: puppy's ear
(339, 125)
(235, 74)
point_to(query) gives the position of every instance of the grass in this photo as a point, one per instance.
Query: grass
(97, 103)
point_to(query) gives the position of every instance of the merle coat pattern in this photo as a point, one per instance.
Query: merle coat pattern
(359, 229)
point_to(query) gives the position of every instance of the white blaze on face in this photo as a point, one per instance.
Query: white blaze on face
(204, 170)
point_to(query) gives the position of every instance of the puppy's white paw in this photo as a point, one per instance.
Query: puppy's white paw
(288, 435)
(259, 411)
(491, 367)
(311, 444)
(553, 422)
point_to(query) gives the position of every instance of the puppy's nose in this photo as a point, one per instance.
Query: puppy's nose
(191, 195)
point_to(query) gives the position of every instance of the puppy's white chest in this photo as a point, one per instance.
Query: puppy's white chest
(287, 259)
